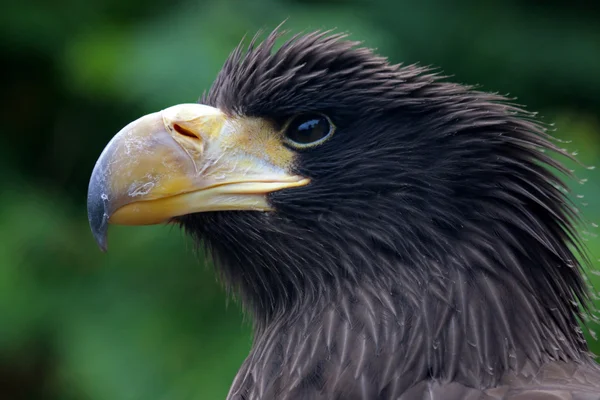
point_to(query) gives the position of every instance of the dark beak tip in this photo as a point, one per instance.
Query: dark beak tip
(101, 240)
(99, 226)
(98, 211)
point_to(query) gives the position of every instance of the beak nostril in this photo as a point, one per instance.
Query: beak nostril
(185, 132)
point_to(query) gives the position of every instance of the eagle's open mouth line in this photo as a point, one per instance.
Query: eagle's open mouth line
(223, 196)
(285, 182)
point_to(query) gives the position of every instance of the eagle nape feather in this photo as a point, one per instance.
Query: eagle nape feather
(392, 235)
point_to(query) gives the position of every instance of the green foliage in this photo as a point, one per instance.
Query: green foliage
(148, 320)
(126, 324)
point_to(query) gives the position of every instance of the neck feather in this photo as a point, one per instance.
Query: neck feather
(461, 319)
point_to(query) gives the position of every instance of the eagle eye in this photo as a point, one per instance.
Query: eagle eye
(307, 130)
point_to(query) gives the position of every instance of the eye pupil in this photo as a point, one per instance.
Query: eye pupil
(308, 129)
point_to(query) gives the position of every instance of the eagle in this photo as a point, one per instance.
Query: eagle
(392, 235)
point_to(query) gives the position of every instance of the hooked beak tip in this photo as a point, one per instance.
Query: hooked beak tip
(98, 216)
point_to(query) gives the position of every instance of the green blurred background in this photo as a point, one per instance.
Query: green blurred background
(147, 320)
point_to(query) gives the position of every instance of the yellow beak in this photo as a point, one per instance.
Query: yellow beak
(185, 159)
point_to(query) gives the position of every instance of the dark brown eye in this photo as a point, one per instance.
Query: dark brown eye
(308, 130)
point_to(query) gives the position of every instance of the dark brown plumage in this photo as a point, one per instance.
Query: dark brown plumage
(433, 255)
(430, 258)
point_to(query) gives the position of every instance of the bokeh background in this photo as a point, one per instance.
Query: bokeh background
(148, 320)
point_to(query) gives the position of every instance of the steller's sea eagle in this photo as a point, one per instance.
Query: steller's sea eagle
(393, 235)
